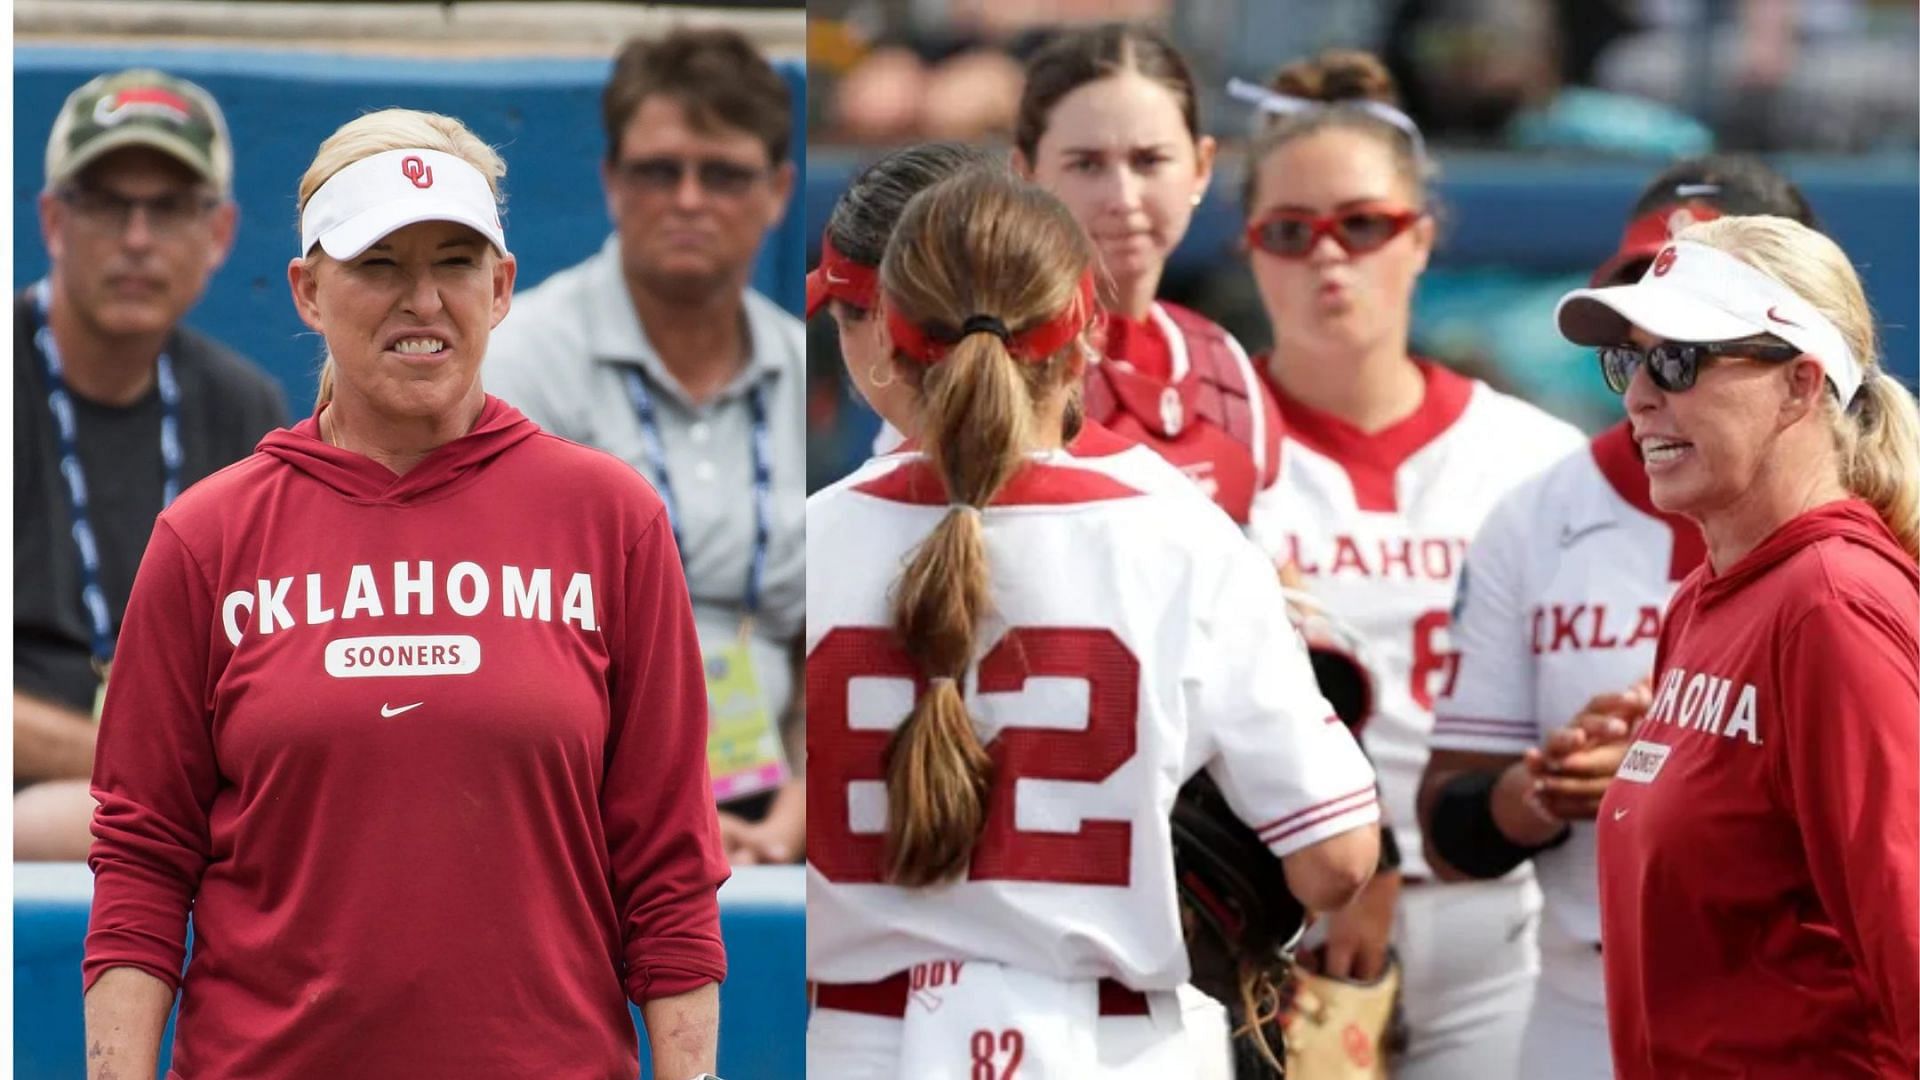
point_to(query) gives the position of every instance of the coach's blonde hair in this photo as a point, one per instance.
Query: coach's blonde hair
(980, 243)
(394, 129)
(1878, 436)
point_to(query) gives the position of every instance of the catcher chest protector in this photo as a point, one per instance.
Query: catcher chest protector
(1204, 423)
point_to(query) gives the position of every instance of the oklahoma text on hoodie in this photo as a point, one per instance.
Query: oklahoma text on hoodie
(1760, 903)
(425, 755)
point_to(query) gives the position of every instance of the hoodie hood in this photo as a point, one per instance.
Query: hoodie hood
(1850, 521)
(499, 428)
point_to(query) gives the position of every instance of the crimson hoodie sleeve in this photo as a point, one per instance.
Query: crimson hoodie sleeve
(1851, 693)
(154, 771)
(663, 832)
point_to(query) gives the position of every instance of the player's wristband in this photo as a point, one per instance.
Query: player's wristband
(1464, 833)
(1389, 851)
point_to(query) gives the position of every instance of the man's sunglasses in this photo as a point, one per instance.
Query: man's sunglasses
(1674, 365)
(113, 212)
(1293, 234)
(663, 175)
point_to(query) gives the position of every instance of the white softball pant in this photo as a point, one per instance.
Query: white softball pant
(1567, 1029)
(1190, 1041)
(1470, 960)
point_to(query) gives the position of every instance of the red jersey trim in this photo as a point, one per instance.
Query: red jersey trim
(1315, 808)
(1093, 441)
(1485, 728)
(1618, 458)
(1363, 802)
(1036, 484)
(1371, 461)
(1143, 344)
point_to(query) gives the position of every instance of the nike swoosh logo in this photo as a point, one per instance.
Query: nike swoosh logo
(1774, 314)
(836, 279)
(390, 712)
(1568, 534)
(1618, 814)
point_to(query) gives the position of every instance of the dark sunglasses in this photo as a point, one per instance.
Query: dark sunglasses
(113, 212)
(1674, 365)
(663, 175)
(1293, 234)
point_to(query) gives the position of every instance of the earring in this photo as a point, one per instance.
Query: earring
(873, 375)
(1198, 197)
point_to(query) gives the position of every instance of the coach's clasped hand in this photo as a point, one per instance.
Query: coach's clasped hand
(1570, 771)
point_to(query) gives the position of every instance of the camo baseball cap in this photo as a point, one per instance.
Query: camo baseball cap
(142, 107)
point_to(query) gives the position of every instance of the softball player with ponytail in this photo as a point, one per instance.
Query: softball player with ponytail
(1002, 704)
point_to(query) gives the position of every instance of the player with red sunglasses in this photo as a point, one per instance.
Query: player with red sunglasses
(1388, 464)
(1109, 122)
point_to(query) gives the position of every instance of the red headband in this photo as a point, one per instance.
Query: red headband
(1034, 345)
(840, 278)
(1650, 232)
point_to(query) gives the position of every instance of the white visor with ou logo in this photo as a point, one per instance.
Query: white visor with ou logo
(1699, 294)
(374, 196)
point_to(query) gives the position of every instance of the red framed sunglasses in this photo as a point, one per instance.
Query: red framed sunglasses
(1293, 234)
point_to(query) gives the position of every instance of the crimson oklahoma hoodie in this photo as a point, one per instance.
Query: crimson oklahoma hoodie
(425, 756)
(1760, 905)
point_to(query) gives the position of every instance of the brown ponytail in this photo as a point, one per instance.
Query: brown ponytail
(978, 414)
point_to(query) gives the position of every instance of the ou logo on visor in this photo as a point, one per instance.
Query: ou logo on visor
(1664, 262)
(417, 171)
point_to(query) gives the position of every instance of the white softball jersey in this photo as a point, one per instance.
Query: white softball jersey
(1562, 599)
(1378, 526)
(1136, 637)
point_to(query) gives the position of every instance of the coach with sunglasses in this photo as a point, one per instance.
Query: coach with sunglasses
(116, 406)
(656, 350)
(1759, 847)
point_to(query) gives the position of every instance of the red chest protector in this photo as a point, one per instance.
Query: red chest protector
(1184, 387)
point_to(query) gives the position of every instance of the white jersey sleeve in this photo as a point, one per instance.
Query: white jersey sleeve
(1264, 517)
(1287, 766)
(1489, 707)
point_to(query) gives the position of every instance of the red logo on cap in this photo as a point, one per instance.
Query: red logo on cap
(1664, 262)
(1774, 314)
(419, 172)
(153, 101)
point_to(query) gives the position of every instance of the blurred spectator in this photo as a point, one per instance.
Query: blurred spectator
(955, 77)
(1498, 73)
(656, 350)
(1816, 75)
(116, 407)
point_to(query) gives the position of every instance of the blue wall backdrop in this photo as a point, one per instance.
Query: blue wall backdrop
(763, 1011)
(542, 114)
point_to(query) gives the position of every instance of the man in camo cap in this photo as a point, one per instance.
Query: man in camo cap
(117, 407)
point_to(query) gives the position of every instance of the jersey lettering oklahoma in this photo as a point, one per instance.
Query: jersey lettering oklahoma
(1562, 600)
(1138, 637)
(1378, 525)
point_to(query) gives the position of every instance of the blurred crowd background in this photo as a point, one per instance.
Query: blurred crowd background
(1547, 116)
(525, 76)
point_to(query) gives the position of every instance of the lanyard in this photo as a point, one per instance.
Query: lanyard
(656, 449)
(66, 433)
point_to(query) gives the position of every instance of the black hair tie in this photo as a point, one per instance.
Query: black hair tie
(985, 324)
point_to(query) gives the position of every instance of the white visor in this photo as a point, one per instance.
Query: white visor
(374, 196)
(1700, 294)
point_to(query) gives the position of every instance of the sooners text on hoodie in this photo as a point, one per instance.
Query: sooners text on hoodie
(424, 754)
(1760, 903)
